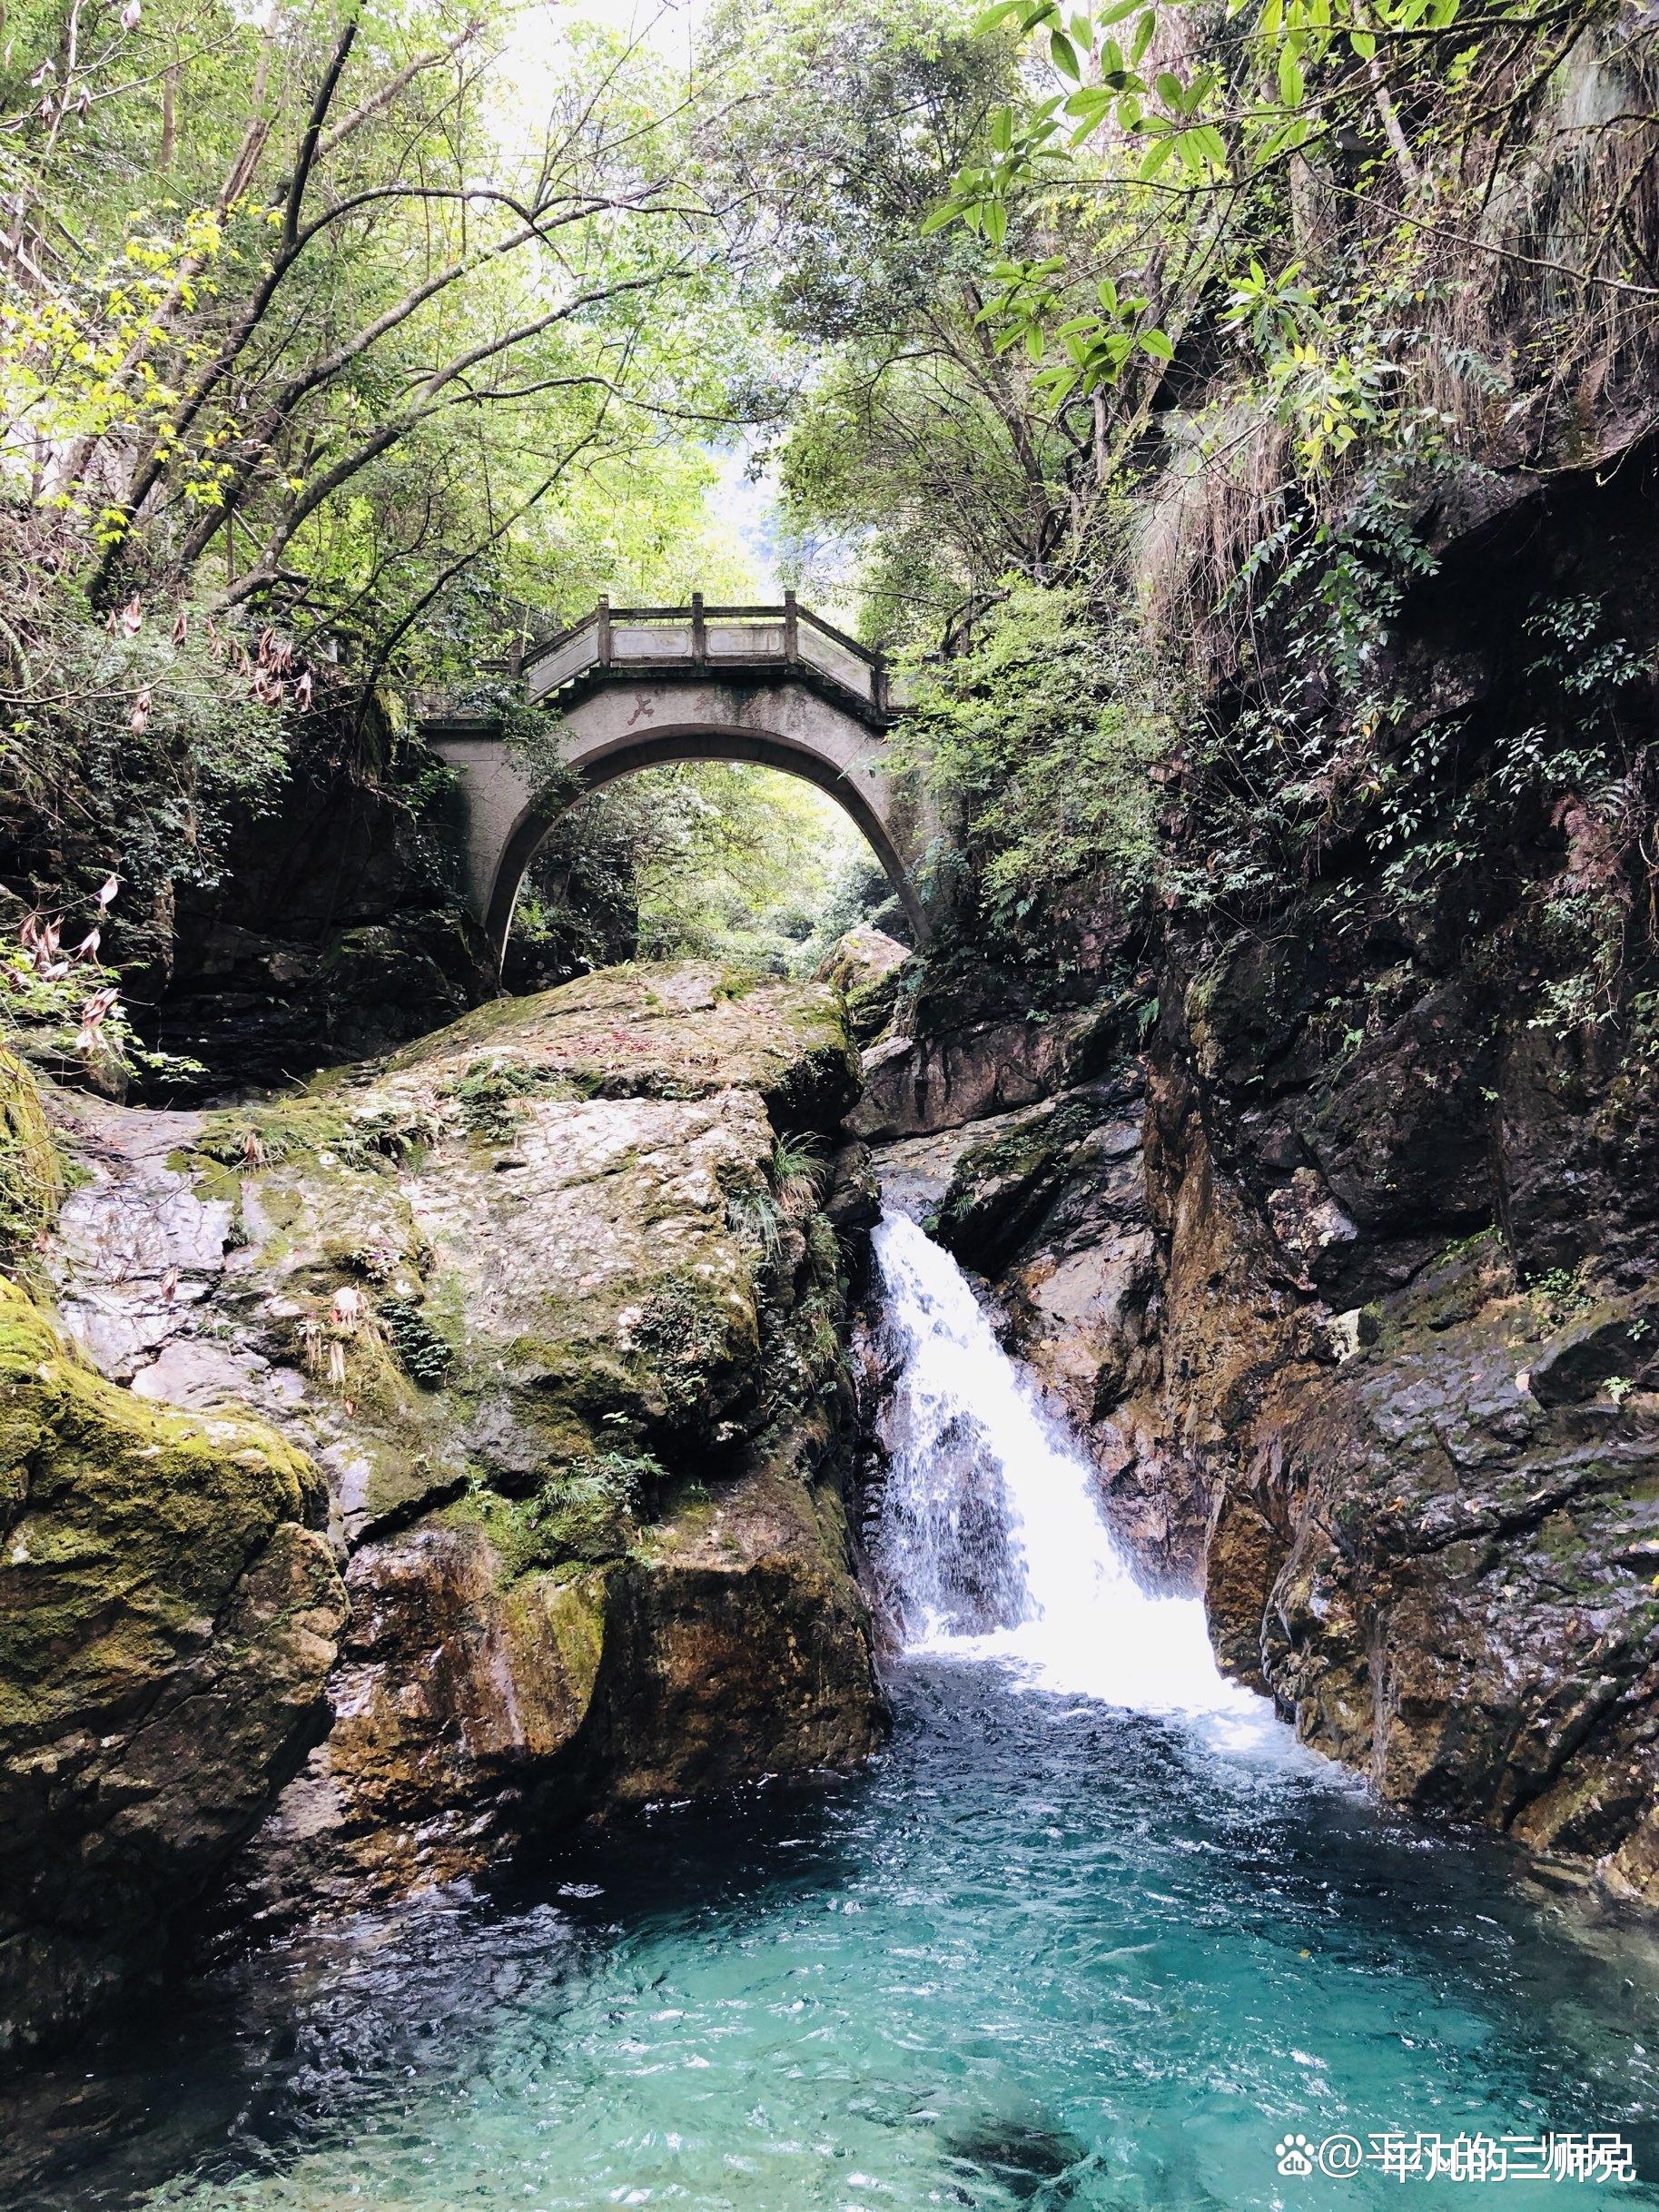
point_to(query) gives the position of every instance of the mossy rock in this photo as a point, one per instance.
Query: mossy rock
(128, 1524)
(169, 1614)
(542, 1293)
(32, 1174)
(676, 1030)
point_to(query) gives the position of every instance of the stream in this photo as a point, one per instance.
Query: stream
(1093, 1931)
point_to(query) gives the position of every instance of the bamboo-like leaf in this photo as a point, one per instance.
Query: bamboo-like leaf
(1064, 54)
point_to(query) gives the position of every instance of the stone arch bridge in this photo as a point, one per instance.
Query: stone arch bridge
(635, 686)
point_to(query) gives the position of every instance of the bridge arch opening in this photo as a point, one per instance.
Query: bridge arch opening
(659, 747)
(727, 858)
(641, 687)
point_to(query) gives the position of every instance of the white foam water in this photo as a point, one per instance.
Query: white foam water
(990, 1541)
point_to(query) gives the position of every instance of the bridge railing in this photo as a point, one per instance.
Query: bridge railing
(676, 639)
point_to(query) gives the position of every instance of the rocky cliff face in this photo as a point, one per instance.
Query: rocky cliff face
(1337, 1238)
(1425, 1523)
(336, 932)
(542, 1320)
(1419, 1388)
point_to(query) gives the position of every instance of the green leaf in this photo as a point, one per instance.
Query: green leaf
(996, 224)
(1144, 36)
(1363, 43)
(1059, 383)
(1156, 343)
(1167, 86)
(1089, 106)
(1001, 128)
(993, 18)
(1209, 144)
(1064, 54)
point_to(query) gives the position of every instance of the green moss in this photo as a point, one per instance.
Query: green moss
(690, 1331)
(570, 1608)
(687, 1515)
(127, 1524)
(1031, 1146)
(870, 1006)
(32, 1174)
(586, 1514)
(485, 1097)
(312, 1124)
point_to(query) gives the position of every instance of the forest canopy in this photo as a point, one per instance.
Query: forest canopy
(1121, 366)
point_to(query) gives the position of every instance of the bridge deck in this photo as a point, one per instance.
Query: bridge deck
(622, 644)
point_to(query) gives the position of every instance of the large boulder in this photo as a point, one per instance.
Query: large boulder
(553, 1300)
(948, 1074)
(169, 1613)
(334, 929)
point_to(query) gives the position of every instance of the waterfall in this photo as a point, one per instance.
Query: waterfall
(989, 1540)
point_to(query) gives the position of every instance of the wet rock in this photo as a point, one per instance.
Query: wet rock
(1577, 1155)
(169, 1613)
(1617, 1342)
(916, 1084)
(853, 1202)
(1452, 1584)
(916, 1172)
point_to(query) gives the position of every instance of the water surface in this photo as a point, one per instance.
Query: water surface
(1046, 1953)
(1095, 1931)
